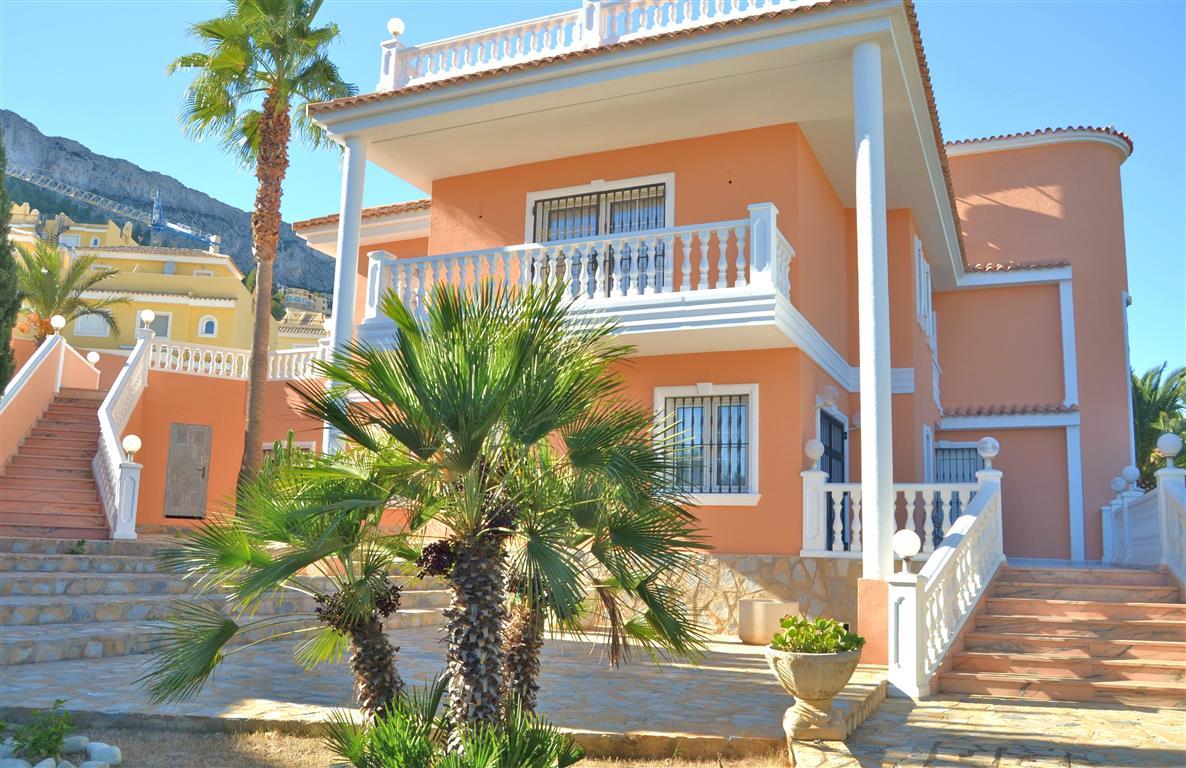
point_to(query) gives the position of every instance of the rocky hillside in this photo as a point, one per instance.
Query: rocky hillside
(119, 180)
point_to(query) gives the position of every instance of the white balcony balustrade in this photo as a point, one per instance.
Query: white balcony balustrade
(1148, 528)
(601, 272)
(595, 23)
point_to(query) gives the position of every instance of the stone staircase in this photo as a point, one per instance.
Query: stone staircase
(57, 605)
(47, 488)
(1076, 634)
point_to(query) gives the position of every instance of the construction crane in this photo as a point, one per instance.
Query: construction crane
(156, 219)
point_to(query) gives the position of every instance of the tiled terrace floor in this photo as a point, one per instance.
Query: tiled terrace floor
(730, 701)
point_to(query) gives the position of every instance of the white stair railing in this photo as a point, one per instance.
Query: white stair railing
(1148, 528)
(117, 477)
(927, 610)
(832, 512)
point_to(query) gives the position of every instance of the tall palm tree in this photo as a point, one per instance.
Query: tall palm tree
(262, 63)
(473, 406)
(10, 292)
(1158, 406)
(50, 288)
(306, 527)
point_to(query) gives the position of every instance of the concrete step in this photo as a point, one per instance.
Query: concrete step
(75, 463)
(48, 481)
(69, 609)
(20, 469)
(62, 438)
(85, 563)
(39, 507)
(51, 449)
(1145, 693)
(50, 531)
(1084, 609)
(83, 395)
(33, 545)
(30, 644)
(1034, 665)
(1056, 575)
(1058, 626)
(22, 491)
(1108, 593)
(86, 426)
(1073, 647)
(48, 515)
(74, 408)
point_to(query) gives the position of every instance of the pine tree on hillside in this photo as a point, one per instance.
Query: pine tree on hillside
(10, 297)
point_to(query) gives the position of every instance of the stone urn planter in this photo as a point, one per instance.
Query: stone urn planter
(813, 679)
(758, 619)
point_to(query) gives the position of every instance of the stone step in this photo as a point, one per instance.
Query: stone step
(1057, 575)
(1084, 609)
(61, 642)
(38, 437)
(75, 463)
(1165, 670)
(1128, 692)
(49, 472)
(50, 531)
(81, 409)
(47, 481)
(24, 492)
(1059, 626)
(54, 546)
(50, 449)
(1073, 647)
(85, 427)
(41, 507)
(1109, 593)
(36, 610)
(49, 515)
(83, 395)
(85, 563)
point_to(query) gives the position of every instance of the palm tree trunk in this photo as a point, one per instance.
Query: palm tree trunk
(474, 621)
(372, 661)
(275, 129)
(524, 639)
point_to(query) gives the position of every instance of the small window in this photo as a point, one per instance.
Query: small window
(203, 273)
(92, 325)
(97, 267)
(957, 462)
(208, 326)
(160, 325)
(614, 211)
(94, 242)
(713, 442)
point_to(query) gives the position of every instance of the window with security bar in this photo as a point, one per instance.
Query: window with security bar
(712, 443)
(607, 212)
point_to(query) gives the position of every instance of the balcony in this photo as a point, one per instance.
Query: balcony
(595, 23)
(677, 289)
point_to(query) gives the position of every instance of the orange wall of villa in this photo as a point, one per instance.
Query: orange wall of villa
(1060, 202)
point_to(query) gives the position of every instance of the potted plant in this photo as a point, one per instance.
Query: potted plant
(813, 661)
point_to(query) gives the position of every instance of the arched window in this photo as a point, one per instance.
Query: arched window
(208, 326)
(94, 241)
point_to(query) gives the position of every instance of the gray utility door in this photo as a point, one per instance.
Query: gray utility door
(189, 470)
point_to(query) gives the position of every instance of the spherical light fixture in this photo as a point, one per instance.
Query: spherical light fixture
(988, 448)
(395, 27)
(906, 544)
(815, 451)
(147, 316)
(92, 357)
(57, 322)
(1118, 485)
(1130, 475)
(1169, 445)
(131, 444)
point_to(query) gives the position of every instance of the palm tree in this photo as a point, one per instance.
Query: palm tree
(264, 61)
(306, 527)
(10, 292)
(50, 288)
(473, 407)
(1158, 406)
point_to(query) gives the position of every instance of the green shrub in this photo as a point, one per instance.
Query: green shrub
(42, 737)
(819, 636)
(412, 734)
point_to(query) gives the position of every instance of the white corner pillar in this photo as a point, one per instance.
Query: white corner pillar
(877, 461)
(354, 163)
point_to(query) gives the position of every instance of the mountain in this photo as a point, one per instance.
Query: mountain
(68, 161)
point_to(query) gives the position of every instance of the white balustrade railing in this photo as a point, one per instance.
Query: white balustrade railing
(230, 362)
(596, 23)
(117, 477)
(718, 255)
(295, 363)
(832, 521)
(927, 610)
(1148, 528)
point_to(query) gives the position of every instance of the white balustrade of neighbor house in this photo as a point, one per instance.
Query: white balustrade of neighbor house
(595, 23)
(1148, 528)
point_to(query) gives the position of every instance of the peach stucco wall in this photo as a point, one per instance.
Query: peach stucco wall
(1057, 202)
(26, 405)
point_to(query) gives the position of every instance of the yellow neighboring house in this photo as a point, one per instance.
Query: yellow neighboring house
(298, 329)
(28, 225)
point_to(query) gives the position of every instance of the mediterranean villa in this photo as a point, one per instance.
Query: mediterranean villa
(858, 327)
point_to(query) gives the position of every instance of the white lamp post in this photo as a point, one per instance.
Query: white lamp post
(57, 322)
(131, 444)
(92, 357)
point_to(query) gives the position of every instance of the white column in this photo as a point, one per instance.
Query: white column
(354, 162)
(877, 463)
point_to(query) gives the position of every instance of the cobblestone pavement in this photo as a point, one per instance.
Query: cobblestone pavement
(729, 703)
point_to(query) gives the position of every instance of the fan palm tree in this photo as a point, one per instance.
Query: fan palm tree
(1158, 406)
(475, 405)
(304, 526)
(262, 63)
(50, 288)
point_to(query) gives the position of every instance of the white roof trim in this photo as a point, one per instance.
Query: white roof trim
(980, 146)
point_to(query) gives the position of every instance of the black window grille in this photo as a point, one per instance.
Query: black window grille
(833, 436)
(615, 211)
(711, 444)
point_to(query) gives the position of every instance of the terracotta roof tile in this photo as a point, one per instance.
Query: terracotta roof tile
(1106, 130)
(1023, 409)
(1018, 266)
(373, 212)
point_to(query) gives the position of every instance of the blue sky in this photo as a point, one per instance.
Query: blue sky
(94, 71)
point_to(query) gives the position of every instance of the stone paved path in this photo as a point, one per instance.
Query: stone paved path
(729, 695)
